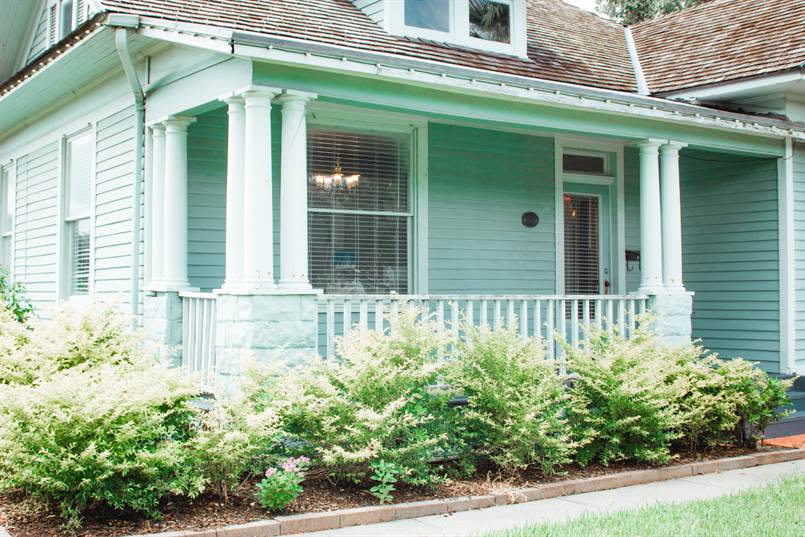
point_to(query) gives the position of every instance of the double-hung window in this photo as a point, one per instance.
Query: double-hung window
(77, 209)
(359, 215)
(6, 215)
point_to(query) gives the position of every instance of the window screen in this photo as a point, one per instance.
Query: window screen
(490, 20)
(359, 215)
(77, 208)
(582, 249)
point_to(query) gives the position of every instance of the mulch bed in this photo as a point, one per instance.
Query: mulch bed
(22, 520)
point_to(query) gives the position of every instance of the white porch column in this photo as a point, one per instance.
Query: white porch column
(650, 220)
(157, 201)
(671, 216)
(175, 204)
(235, 193)
(293, 193)
(258, 235)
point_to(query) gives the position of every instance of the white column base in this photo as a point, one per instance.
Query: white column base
(170, 286)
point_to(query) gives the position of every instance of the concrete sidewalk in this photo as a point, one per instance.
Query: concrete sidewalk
(477, 522)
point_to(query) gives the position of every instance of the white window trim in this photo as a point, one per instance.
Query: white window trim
(459, 32)
(617, 203)
(8, 173)
(64, 268)
(351, 119)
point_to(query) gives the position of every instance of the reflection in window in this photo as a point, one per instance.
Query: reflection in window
(490, 20)
(591, 164)
(359, 216)
(428, 14)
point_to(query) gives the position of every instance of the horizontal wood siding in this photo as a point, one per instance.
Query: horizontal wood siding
(114, 181)
(36, 224)
(39, 41)
(207, 163)
(799, 241)
(206, 215)
(480, 182)
(731, 253)
(374, 9)
(631, 197)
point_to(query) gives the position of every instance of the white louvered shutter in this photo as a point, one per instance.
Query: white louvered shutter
(53, 33)
(81, 13)
(359, 232)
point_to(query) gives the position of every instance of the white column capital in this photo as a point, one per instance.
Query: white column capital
(178, 123)
(158, 129)
(649, 145)
(234, 101)
(258, 95)
(671, 147)
(289, 97)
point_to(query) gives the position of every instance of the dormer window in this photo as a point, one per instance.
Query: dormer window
(494, 25)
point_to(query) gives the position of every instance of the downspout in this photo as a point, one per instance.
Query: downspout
(642, 85)
(123, 27)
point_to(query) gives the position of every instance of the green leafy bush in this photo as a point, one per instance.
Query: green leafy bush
(516, 399)
(281, 486)
(235, 440)
(12, 298)
(622, 408)
(92, 420)
(111, 435)
(375, 403)
(722, 400)
(75, 336)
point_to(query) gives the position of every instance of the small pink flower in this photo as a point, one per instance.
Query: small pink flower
(289, 465)
(270, 472)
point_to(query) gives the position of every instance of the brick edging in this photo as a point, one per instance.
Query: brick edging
(294, 524)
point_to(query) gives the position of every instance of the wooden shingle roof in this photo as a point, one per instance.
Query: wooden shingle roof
(721, 40)
(565, 44)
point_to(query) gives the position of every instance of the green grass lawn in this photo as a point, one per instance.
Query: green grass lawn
(776, 510)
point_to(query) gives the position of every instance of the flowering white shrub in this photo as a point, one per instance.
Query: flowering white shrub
(516, 400)
(374, 403)
(87, 417)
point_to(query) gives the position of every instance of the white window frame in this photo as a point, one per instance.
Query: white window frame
(8, 175)
(351, 119)
(74, 23)
(64, 240)
(615, 180)
(459, 32)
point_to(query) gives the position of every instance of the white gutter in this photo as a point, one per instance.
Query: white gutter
(123, 27)
(478, 81)
(727, 89)
(642, 85)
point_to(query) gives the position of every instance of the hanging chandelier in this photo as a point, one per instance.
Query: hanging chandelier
(337, 179)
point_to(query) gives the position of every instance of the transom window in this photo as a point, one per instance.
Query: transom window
(359, 216)
(496, 25)
(77, 210)
(586, 163)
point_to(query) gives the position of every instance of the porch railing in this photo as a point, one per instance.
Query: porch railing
(531, 315)
(198, 334)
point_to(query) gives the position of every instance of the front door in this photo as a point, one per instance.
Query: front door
(586, 215)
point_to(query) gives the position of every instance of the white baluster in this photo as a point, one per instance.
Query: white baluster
(330, 328)
(379, 315)
(537, 319)
(574, 323)
(484, 314)
(347, 318)
(364, 315)
(510, 315)
(586, 323)
(549, 331)
(622, 318)
(454, 316)
(498, 314)
(524, 319)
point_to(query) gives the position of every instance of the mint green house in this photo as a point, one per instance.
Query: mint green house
(256, 178)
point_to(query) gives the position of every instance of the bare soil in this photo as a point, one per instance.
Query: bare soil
(22, 519)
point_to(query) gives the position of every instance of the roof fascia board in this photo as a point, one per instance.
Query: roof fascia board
(71, 49)
(345, 59)
(714, 91)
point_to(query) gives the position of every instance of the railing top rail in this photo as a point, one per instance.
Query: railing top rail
(196, 294)
(404, 298)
